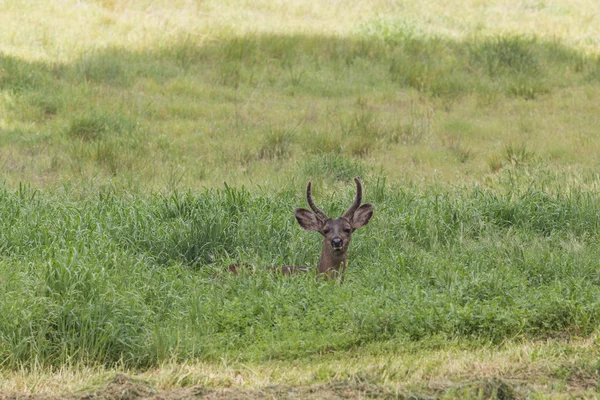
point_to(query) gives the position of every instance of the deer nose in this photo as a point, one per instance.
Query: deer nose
(337, 242)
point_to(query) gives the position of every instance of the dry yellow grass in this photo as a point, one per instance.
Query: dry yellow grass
(544, 369)
(59, 31)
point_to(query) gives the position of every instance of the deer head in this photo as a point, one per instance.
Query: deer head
(336, 232)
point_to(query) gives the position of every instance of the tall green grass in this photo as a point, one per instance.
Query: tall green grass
(111, 278)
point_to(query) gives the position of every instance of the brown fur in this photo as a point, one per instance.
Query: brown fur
(336, 235)
(339, 231)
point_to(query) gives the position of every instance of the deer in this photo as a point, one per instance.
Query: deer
(336, 233)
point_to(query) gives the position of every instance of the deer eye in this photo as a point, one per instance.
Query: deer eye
(326, 231)
(347, 230)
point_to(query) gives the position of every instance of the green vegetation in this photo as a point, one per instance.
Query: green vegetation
(187, 113)
(129, 279)
(142, 155)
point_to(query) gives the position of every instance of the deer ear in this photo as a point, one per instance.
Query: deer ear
(308, 220)
(362, 216)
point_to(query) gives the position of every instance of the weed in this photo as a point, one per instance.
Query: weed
(95, 125)
(527, 89)
(495, 163)
(295, 76)
(461, 153)
(277, 144)
(391, 31)
(332, 167)
(323, 142)
(360, 146)
(413, 130)
(517, 154)
(506, 55)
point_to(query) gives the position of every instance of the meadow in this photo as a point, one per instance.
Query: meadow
(145, 146)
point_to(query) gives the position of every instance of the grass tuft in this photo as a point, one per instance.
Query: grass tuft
(96, 125)
(277, 144)
(332, 167)
(518, 154)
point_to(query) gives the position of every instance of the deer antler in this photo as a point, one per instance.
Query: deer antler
(350, 213)
(320, 214)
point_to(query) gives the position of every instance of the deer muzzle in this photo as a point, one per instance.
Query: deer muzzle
(337, 243)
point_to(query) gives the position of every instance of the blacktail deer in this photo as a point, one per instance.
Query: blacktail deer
(336, 234)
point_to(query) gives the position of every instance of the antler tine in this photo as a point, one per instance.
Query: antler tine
(320, 214)
(357, 200)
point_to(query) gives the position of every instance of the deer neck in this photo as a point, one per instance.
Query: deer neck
(332, 263)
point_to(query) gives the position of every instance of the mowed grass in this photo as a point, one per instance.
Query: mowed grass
(540, 369)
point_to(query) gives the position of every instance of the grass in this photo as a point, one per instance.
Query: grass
(447, 371)
(127, 283)
(231, 108)
(114, 280)
(146, 146)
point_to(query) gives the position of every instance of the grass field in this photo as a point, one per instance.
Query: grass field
(144, 146)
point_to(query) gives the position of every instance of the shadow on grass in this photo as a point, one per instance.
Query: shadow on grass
(106, 95)
(513, 65)
(112, 108)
